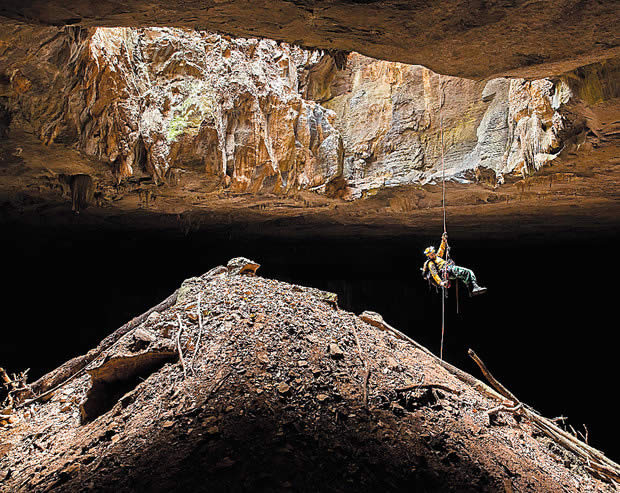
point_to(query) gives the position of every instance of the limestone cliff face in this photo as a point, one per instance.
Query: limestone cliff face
(391, 117)
(212, 113)
(161, 102)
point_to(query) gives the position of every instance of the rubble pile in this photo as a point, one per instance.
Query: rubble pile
(248, 383)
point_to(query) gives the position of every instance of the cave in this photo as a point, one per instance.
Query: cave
(538, 282)
(331, 152)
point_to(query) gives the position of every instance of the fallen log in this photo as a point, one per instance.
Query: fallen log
(593, 458)
(377, 321)
(498, 386)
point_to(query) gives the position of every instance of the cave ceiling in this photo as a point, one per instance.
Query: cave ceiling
(148, 113)
(464, 39)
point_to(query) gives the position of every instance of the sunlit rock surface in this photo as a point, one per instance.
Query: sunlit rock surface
(157, 102)
(196, 126)
(490, 129)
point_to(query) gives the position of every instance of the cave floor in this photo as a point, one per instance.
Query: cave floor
(283, 391)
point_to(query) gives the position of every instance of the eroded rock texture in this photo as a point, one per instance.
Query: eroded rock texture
(157, 102)
(177, 120)
(490, 129)
(465, 39)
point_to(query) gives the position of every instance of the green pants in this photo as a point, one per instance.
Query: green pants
(463, 274)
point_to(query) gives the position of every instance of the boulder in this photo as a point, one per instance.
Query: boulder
(242, 265)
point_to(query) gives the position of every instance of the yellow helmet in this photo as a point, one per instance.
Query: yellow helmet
(429, 251)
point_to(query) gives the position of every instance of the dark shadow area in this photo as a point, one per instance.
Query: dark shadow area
(118, 376)
(543, 329)
(270, 447)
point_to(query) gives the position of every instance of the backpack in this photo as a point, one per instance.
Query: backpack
(426, 272)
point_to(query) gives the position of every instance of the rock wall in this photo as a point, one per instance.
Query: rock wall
(391, 117)
(159, 102)
(257, 116)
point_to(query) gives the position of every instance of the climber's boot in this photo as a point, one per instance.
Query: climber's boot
(476, 290)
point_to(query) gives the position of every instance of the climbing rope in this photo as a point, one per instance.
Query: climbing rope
(442, 98)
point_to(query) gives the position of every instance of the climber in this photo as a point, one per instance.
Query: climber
(436, 265)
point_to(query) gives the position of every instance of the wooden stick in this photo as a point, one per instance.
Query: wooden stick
(366, 366)
(428, 386)
(609, 468)
(572, 430)
(180, 351)
(603, 470)
(497, 409)
(585, 437)
(199, 333)
(590, 451)
(498, 386)
(464, 377)
(604, 466)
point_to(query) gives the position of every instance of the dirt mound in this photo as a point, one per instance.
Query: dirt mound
(248, 383)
